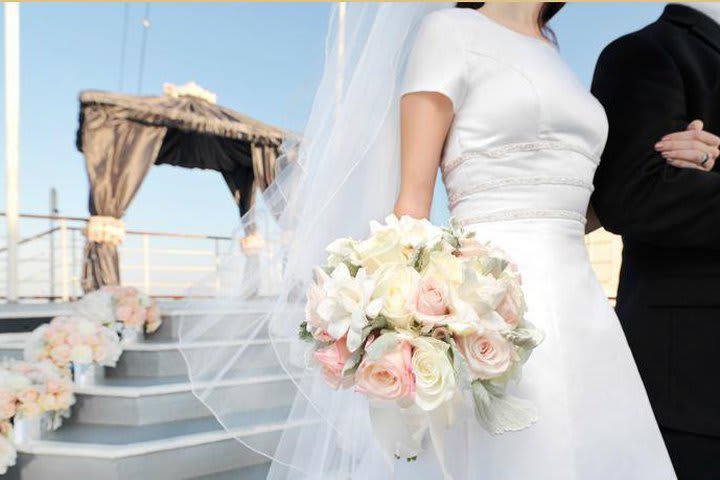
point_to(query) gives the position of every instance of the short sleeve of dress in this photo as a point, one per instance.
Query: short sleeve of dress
(437, 61)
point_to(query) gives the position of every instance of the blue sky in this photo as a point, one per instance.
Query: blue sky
(261, 59)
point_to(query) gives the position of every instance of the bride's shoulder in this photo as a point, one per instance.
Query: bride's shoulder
(450, 19)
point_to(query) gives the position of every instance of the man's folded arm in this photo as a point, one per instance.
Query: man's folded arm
(638, 195)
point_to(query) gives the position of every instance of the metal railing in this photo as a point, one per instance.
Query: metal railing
(163, 264)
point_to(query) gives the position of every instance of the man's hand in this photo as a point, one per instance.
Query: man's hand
(693, 148)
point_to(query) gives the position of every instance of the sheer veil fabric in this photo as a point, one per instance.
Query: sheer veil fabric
(344, 173)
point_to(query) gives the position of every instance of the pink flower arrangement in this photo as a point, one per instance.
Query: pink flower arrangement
(134, 309)
(73, 340)
(30, 389)
(121, 308)
(415, 313)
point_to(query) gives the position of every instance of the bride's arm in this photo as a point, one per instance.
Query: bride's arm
(425, 119)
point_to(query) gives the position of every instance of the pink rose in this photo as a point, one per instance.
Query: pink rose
(333, 360)
(470, 247)
(315, 295)
(60, 354)
(153, 319)
(6, 428)
(390, 377)
(53, 386)
(74, 339)
(123, 312)
(7, 405)
(64, 400)
(488, 355)
(512, 306)
(29, 395)
(31, 409)
(99, 352)
(430, 303)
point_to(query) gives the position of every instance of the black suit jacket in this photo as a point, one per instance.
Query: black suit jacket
(651, 83)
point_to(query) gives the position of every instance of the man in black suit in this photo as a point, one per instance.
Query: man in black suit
(667, 209)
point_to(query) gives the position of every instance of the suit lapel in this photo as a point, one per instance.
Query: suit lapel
(696, 22)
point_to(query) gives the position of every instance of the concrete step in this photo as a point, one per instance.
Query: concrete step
(163, 358)
(145, 401)
(184, 450)
(256, 472)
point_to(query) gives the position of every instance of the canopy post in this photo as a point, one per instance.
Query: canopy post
(12, 144)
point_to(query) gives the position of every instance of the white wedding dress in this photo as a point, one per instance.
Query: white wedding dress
(518, 168)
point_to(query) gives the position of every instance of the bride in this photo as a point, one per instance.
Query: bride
(483, 95)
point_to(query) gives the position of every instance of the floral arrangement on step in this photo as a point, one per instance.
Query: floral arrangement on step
(73, 341)
(121, 308)
(421, 319)
(30, 391)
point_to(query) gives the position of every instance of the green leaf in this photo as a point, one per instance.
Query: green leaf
(378, 323)
(381, 344)
(352, 363)
(303, 333)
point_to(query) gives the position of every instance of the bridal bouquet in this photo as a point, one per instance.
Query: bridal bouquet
(120, 308)
(31, 389)
(417, 318)
(73, 340)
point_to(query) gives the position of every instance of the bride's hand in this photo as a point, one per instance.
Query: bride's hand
(693, 148)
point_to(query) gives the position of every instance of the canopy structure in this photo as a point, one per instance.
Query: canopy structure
(122, 136)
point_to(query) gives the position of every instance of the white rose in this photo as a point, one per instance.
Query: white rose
(383, 247)
(483, 292)
(434, 375)
(8, 455)
(463, 318)
(342, 250)
(396, 285)
(85, 327)
(444, 265)
(414, 232)
(348, 304)
(113, 349)
(96, 306)
(81, 355)
(15, 381)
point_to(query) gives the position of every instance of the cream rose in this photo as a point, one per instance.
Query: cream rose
(434, 375)
(348, 305)
(342, 250)
(415, 232)
(396, 285)
(488, 355)
(81, 355)
(431, 303)
(390, 377)
(382, 248)
(333, 359)
(444, 265)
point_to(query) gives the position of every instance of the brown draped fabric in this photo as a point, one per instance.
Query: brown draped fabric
(122, 136)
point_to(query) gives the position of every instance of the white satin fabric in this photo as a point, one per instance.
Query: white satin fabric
(518, 168)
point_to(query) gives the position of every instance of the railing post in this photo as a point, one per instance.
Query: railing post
(53, 213)
(73, 262)
(217, 265)
(146, 263)
(65, 290)
(12, 145)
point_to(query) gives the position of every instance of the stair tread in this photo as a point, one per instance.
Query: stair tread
(134, 387)
(105, 441)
